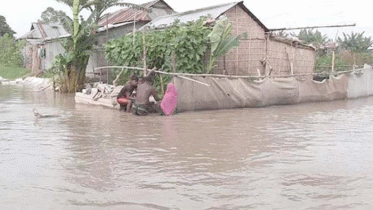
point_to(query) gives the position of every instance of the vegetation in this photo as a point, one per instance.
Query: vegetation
(13, 72)
(185, 47)
(10, 51)
(312, 37)
(51, 15)
(221, 42)
(71, 66)
(11, 59)
(5, 28)
(350, 51)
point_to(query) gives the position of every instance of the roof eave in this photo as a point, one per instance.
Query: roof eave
(252, 15)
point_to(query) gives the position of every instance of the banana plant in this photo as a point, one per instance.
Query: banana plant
(221, 42)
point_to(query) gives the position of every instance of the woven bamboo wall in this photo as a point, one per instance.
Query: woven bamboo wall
(281, 55)
(248, 58)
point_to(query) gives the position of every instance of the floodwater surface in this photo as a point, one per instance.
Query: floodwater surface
(307, 156)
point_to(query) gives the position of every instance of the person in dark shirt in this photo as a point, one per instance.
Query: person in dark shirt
(126, 94)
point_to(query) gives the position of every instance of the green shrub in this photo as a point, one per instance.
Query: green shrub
(10, 51)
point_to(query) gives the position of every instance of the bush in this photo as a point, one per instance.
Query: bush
(10, 51)
(13, 72)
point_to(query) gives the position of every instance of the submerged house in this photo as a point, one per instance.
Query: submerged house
(285, 66)
(122, 22)
(259, 53)
(43, 43)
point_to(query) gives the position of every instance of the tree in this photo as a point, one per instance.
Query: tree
(72, 65)
(281, 34)
(51, 15)
(355, 42)
(5, 28)
(311, 37)
(98, 7)
(10, 51)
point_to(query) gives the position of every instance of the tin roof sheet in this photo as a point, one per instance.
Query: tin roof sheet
(193, 15)
(127, 15)
(45, 31)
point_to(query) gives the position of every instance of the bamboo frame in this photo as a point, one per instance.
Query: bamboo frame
(183, 75)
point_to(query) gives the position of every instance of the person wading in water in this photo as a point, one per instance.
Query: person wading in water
(125, 95)
(142, 105)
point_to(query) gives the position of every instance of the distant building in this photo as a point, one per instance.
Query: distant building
(43, 43)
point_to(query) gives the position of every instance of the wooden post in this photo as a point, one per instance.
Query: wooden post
(333, 61)
(162, 85)
(107, 27)
(107, 76)
(144, 53)
(173, 57)
(290, 62)
(134, 28)
(237, 63)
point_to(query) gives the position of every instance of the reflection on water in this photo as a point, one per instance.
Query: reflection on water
(308, 156)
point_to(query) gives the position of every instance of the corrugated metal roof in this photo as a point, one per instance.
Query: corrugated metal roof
(193, 15)
(127, 15)
(45, 31)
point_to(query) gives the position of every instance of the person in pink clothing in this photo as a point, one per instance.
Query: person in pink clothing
(169, 101)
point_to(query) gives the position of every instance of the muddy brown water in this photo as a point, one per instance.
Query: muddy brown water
(307, 156)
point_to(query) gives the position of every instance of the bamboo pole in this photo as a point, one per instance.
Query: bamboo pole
(308, 27)
(173, 57)
(116, 79)
(237, 63)
(222, 75)
(134, 28)
(193, 80)
(162, 85)
(333, 61)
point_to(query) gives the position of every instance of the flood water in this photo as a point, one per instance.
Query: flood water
(307, 156)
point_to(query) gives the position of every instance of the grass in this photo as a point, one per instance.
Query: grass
(13, 72)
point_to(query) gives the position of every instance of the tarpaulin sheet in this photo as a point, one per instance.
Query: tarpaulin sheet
(226, 93)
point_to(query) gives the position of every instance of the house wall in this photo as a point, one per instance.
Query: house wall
(27, 56)
(31, 58)
(282, 55)
(36, 61)
(246, 58)
(117, 32)
(160, 9)
(97, 59)
(52, 49)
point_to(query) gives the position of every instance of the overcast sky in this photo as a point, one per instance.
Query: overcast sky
(273, 14)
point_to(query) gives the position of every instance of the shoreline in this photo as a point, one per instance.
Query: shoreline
(36, 83)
